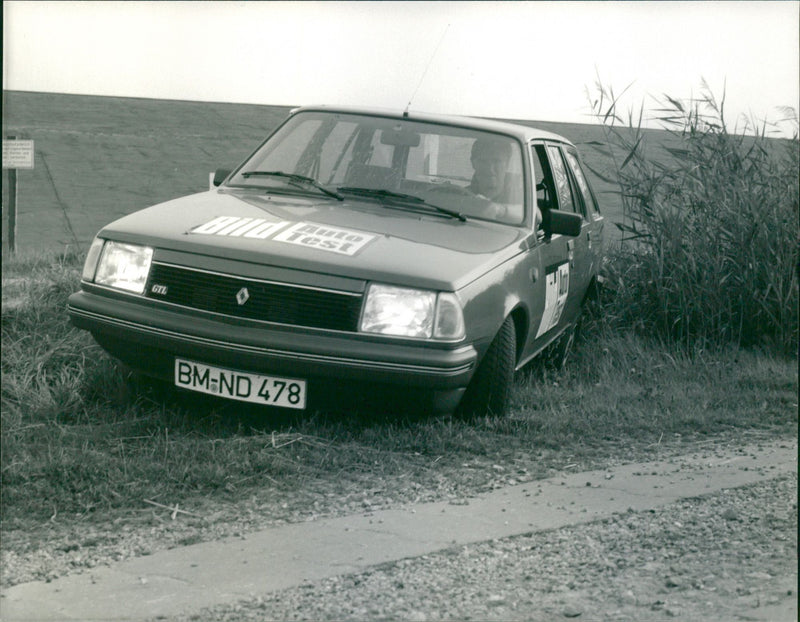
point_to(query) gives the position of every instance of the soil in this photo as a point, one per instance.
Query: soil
(729, 556)
(726, 556)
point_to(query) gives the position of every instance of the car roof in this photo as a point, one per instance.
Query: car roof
(522, 132)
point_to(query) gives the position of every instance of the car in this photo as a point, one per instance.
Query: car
(356, 251)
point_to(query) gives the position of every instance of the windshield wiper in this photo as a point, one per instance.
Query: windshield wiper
(297, 180)
(390, 195)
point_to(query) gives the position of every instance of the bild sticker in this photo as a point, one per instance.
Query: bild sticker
(557, 290)
(307, 234)
(236, 227)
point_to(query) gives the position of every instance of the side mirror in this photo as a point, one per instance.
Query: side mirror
(564, 223)
(219, 176)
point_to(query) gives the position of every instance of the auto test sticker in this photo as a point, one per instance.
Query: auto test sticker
(557, 290)
(325, 238)
(310, 235)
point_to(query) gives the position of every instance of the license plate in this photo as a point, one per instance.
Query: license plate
(242, 386)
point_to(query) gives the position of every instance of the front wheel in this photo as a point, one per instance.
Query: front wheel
(489, 392)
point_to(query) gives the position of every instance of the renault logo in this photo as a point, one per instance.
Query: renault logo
(242, 296)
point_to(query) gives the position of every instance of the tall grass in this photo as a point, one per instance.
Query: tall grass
(709, 252)
(44, 361)
(77, 443)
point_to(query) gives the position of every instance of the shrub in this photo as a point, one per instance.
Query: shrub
(709, 250)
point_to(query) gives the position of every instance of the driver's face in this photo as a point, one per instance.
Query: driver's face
(490, 172)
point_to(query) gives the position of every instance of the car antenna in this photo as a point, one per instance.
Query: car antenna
(424, 73)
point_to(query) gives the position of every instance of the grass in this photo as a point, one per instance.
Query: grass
(79, 445)
(711, 225)
(99, 158)
(654, 368)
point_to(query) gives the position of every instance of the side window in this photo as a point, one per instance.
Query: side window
(546, 197)
(577, 171)
(566, 197)
(440, 158)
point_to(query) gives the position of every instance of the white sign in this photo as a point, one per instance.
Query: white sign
(308, 234)
(235, 226)
(17, 154)
(557, 290)
(325, 238)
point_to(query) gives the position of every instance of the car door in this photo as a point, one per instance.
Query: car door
(552, 272)
(593, 220)
(578, 248)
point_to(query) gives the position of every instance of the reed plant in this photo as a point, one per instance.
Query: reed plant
(709, 250)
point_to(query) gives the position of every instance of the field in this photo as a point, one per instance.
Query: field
(99, 158)
(95, 466)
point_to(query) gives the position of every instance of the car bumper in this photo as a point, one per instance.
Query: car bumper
(149, 338)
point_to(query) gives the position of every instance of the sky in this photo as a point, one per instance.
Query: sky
(523, 60)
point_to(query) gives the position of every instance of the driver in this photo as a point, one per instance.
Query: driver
(490, 158)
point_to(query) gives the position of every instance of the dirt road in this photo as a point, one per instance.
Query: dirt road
(707, 536)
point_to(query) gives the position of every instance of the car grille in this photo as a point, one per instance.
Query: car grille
(265, 301)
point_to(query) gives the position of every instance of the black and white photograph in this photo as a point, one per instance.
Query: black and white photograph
(400, 310)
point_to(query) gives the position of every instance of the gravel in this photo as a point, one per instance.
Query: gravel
(727, 556)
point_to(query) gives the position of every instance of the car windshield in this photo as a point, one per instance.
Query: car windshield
(459, 170)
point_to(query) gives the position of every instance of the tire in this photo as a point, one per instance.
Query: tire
(489, 392)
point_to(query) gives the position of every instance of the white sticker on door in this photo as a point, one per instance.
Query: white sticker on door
(556, 292)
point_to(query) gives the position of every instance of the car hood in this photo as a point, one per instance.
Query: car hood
(351, 238)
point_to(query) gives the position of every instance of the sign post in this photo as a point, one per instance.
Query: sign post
(16, 154)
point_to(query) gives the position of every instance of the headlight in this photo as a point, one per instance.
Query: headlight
(405, 312)
(449, 318)
(123, 266)
(90, 265)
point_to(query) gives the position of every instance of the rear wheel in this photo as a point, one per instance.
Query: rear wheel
(490, 389)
